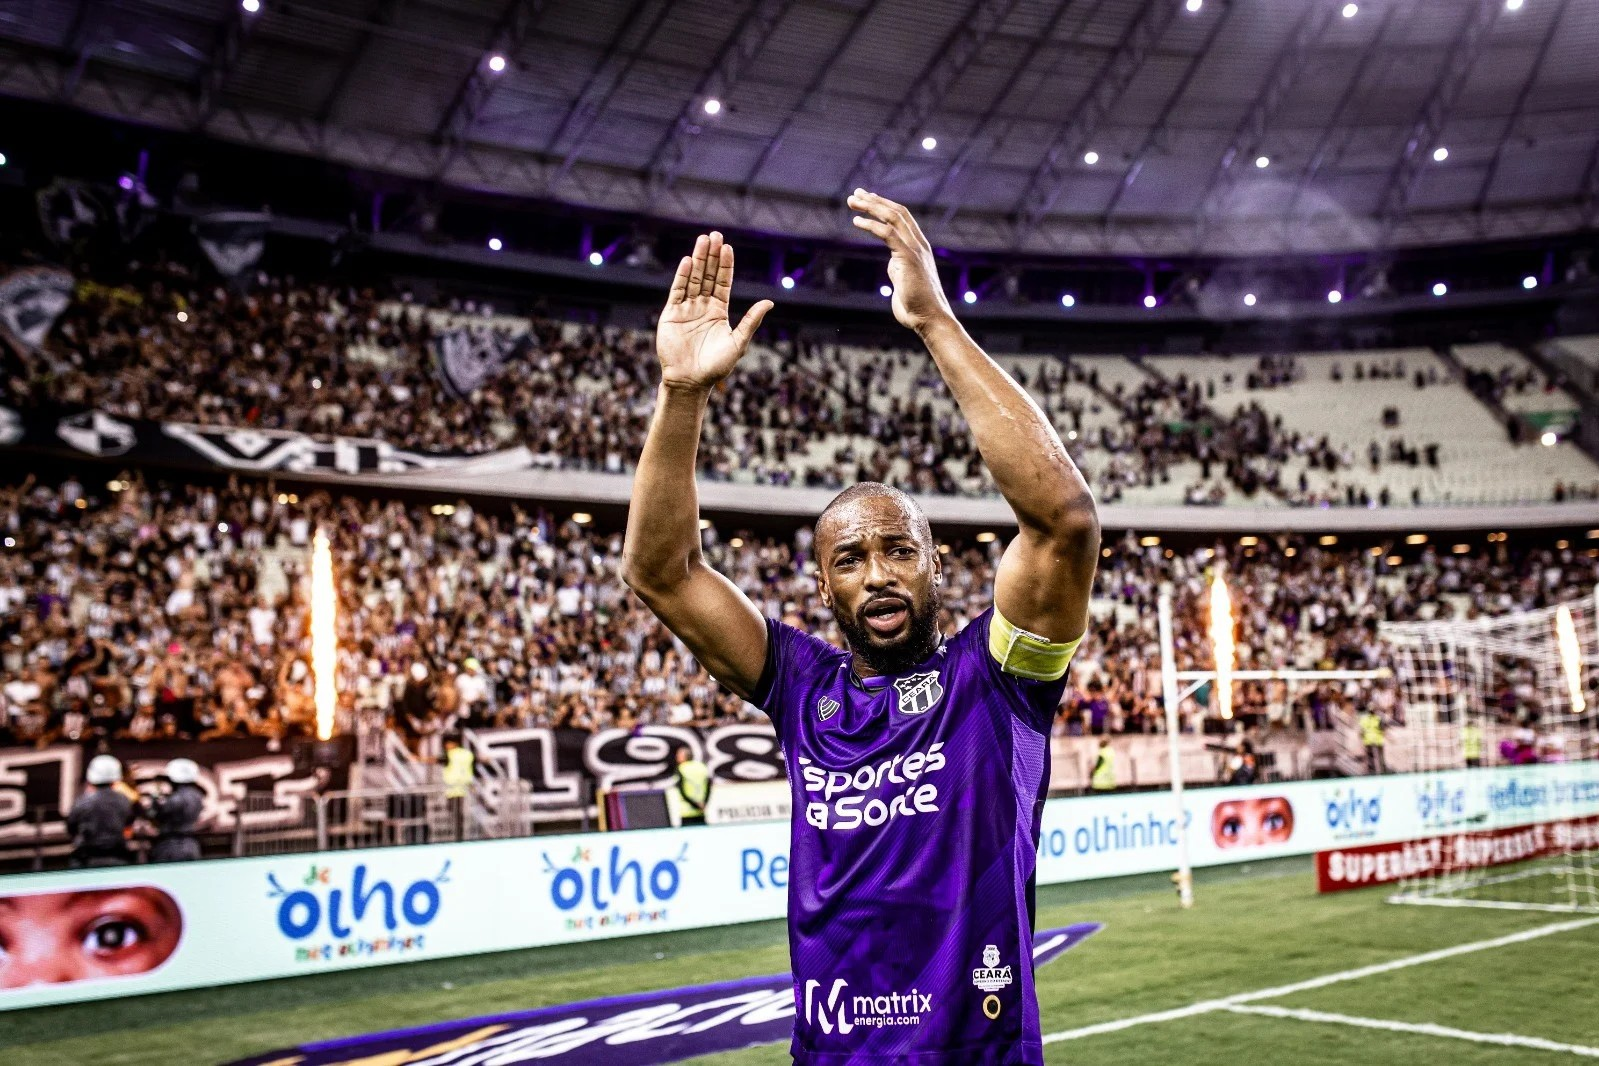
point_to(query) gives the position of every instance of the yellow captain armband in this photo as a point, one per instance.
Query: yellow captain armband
(1028, 654)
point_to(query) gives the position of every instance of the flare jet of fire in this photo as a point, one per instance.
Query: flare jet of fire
(1221, 639)
(324, 641)
(1570, 657)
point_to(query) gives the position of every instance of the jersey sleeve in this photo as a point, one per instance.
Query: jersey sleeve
(792, 658)
(1028, 670)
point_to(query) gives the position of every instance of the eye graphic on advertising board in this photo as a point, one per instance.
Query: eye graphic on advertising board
(61, 937)
(1246, 823)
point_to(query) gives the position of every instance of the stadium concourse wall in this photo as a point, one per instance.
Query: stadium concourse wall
(140, 929)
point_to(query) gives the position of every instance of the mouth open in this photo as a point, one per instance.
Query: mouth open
(886, 616)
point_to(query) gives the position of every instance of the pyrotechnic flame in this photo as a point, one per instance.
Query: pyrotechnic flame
(1570, 657)
(1221, 639)
(324, 641)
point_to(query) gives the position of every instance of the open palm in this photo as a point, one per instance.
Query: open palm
(695, 340)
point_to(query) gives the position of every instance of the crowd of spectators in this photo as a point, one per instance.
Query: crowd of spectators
(323, 359)
(141, 610)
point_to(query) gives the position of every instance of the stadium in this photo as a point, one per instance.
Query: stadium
(820, 531)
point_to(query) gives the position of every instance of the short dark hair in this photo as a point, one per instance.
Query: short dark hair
(865, 489)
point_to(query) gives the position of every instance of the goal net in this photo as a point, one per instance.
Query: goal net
(1499, 719)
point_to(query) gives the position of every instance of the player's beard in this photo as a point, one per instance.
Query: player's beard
(916, 644)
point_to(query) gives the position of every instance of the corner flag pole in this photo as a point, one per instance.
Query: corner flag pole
(1168, 683)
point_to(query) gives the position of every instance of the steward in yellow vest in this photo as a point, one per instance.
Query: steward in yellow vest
(693, 787)
(1103, 779)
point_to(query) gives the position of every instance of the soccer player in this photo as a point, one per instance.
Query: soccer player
(918, 764)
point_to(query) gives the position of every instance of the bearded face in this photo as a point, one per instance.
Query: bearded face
(880, 575)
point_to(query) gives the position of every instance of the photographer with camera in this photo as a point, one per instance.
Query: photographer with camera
(175, 813)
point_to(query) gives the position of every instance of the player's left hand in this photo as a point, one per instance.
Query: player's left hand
(918, 295)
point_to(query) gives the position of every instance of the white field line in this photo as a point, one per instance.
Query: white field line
(1425, 1029)
(1206, 1006)
(1492, 904)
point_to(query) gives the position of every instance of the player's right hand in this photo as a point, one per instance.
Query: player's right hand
(696, 341)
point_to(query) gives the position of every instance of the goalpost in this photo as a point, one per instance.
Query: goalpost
(1222, 675)
(1519, 690)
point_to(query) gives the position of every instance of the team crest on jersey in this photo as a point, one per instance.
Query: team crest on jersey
(991, 976)
(826, 707)
(918, 693)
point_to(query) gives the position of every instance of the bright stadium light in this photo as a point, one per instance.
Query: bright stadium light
(1513, 5)
(929, 143)
(885, 291)
(1221, 641)
(496, 63)
(1440, 289)
(1439, 154)
(495, 244)
(596, 259)
(1090, 158)
(1262, 162)
(1150, 301)
(1549, 438)
(1194, 5)
(1068, 300)
(1570, 658)
(250, 6)
(3, 159)
(1249, 299)
(1335, 297)
(713, 106)
(1351, 10)
(787, 282)
(1529, 282)
(324, 639)
(969, 296)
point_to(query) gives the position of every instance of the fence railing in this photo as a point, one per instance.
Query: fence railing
(381, 817)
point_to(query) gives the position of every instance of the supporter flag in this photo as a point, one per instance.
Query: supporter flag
(31, 300)
(232, 240)
(76, 213)
(466, 358)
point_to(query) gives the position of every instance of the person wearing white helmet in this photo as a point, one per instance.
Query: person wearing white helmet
(176, 814)
(99, 820)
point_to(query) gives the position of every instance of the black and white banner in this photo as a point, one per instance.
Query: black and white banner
(31, 299)
(232, 240)
(467, 358)
(39, 785)
(75, 213)
(564, 768)
(100, 434)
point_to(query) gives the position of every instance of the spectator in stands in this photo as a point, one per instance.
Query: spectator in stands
(87, 649)
(321, 358)
(176, 814)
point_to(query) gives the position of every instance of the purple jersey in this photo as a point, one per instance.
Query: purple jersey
(917, 799)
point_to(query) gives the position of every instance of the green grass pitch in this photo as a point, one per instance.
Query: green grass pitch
(1254, 927)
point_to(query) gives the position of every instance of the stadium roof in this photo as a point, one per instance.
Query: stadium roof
(1247, 127)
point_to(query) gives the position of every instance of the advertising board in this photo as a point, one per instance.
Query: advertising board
(87, 934)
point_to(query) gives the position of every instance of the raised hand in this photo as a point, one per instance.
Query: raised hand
(918, 296)
(697, 344)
